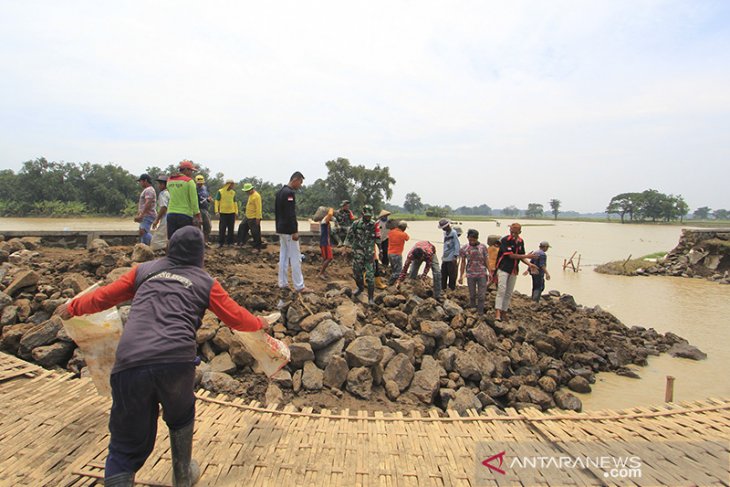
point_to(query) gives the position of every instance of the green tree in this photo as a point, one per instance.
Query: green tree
(413, 203)
(358, 184)
(702, 213)
(624, 203)
(555, 207)
(721, 214)
(510, 211)
(534, 210)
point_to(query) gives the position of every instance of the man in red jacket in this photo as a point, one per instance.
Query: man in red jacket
(155, 360)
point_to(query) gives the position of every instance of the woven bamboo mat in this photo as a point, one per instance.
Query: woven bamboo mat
(53, 431)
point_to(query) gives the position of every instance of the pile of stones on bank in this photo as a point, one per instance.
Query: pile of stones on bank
(409, 348)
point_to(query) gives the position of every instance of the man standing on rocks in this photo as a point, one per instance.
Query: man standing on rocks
(364, 237)
(539, 273)
(252, 222)
(474, 260)
(204, 200)
(450, 256)
(285, 210)
(163, 201)
(146, 213)
(383, 226)
(397, 239)
(423, 251)
(344, 219)
(511, 252)
(226, 205)
(183, 209)
(155, 360)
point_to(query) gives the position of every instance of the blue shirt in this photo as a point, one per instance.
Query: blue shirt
(451, 246)
(203, 194)
(540, 261)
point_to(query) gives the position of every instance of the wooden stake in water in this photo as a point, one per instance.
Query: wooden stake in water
(669, 391)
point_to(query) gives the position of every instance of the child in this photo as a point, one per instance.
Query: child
(539, 273)
(325, 243)
(475, 260)
(396, 241)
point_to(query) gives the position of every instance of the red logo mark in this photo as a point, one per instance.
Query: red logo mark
(499, 456)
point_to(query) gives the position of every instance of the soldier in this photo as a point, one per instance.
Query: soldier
(344, 219)
(364, 236)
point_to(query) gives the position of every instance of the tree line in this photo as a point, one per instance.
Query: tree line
(43, 188)
(414, 205)
(650, 204)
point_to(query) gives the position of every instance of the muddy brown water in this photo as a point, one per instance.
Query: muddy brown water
(695, 309)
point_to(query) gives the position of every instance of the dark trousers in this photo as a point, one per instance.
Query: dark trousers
(226, 227)
(137, 394)
(448, 274)
(384, 253)
(205, 219)
(176, 221)
(250, 226)
(538, 286)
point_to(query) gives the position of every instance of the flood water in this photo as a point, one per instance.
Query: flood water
(695, 309)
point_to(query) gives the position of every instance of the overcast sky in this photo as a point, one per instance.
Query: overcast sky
(504, 103)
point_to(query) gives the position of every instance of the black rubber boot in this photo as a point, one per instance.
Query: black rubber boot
(371, 292)
(360, 288)
(125, 479)
(185, 470)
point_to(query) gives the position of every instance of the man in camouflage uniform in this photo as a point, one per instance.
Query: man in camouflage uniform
(363, 235)
(344, 218)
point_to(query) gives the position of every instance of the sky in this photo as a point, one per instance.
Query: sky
(467, 102)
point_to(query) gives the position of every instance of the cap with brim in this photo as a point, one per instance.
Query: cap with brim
(145, 177)
(544, 243)
(199, 178)
(247, 187)
(230, 181)
(443, 223)
(383, 213)
(345, 202)
(186, 165)
(162, 178)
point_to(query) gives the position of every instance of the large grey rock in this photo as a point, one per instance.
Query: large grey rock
(392, 391)
(312, 377)
(9, 316)
(43, 334)
(283, 379)
(323, 356)
(142, 253)
(301, 352)
(485, 335)
(74, 281)
(364, 351)
(397, 317)
(360, 382)
(429, 309)
(220, 382)
(336, 372)
(11, 335)
(403, 345)
(23, 280)
(223, 339)
(425, 382)
(523, 354)
(434, 329)
(97, 245)
(451, 308)
(464, 400)
(475, 363)
(5, 300)
(685, 350)
(240, 355)
(55, 354)
(530, 394)
(566, 400)
(222, 363)
(308, 323)
(295, 314)
(324, 334)
(347, 314)
(273, 395)
(399, 370)
(579, 384)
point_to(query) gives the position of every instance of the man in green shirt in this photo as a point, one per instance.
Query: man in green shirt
(183, 209)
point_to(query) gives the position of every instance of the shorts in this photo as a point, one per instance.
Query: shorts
(326, 251)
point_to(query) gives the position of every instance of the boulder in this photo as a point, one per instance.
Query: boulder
(4, 300)
(685, 350)
(364, 351)
(485, 335)
(403, 345)
(222, 363)
(464, 400)
(311, 321)
(284, 379)
(530, 394)
(43, 334)
(11, 335)
(116, 274)
(295, 314)
(25, 279)
(9, 316)
(397, 317)
(223, 338)
(336, 372)
(142, 253)
(347, 314)
(97, 245)
(312, 377)
(55, 354)
(324, 334)
(430, 310)
(273, 395)
(392, 391)
(579, 384)
(300, 352)
(451, 308)
(208, 328)
(566, 400)
(360, 382)
(399, 370)
(434, 329)
(548, 384)
(323, 356)
(220, 382)
(425, 382)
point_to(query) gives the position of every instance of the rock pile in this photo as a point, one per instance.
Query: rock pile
(700, 253)
(409, 351)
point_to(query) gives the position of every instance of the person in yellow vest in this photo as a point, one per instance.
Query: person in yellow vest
(226, 205)
(252, 222)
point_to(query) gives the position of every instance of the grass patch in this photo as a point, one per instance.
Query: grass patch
(655, 256)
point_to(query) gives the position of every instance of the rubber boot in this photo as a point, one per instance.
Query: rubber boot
(380, 283)
(125, 479)
(360, 288)
(371, 292)
(185, 471)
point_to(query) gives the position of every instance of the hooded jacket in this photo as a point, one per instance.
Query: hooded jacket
(169, 297)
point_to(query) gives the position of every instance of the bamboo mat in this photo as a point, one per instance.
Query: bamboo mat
(53, 431)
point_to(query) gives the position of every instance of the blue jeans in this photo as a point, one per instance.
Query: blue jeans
(137, 394)
(538, 286)
(146, 226)
(396, 265)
